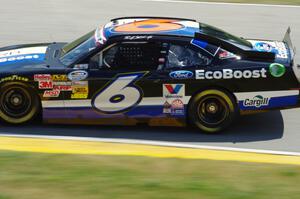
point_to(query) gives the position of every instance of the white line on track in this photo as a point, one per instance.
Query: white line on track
(223, 3)
(153, 143)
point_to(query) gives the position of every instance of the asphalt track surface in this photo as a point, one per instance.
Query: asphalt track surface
(64, 20)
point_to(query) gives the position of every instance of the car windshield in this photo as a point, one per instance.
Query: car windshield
(218, 33)
(78, 48)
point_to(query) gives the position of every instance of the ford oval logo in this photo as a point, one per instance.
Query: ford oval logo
(181, 74)
(78, 75)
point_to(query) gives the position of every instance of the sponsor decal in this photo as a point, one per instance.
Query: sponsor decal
(177, 107)
(277, 70)
(81, 66)
(51, 93)
(224, 54)
(137, 37)
(173, 94)
(79, 96)
(80, 83)
(257, 101)
(276, 47)
(80, 90)
(45, 84)
(173, 90)
(59, 77)
(24, 51)
(181, 74)
(62, 87)
(23, 54)
(78, 75)
(100, 36)
(120, 94)
(148, 25)
(231, 74)
(167, 108)
(264, 47)
(19, 58)
(14, 78)
(42, 77)
(62, 83)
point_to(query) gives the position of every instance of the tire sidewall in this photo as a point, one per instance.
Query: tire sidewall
(231, 105)
(33, 111)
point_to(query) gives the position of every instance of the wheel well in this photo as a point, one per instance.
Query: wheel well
(31, 88)
(209, 88)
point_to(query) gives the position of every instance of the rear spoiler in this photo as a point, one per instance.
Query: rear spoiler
(246, 54)
(287, 40)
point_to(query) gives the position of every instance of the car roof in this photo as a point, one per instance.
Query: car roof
(152, 26)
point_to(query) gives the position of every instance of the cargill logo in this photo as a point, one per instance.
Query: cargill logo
(173, 88)
(257, 101)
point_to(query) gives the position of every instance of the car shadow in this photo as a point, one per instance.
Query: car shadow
(250, 128)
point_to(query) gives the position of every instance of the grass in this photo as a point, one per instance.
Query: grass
(279, 2)
(51, 176)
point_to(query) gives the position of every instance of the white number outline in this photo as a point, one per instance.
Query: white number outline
(132, 84)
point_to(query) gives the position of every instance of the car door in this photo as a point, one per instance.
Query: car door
(183, 59)
(123, 79)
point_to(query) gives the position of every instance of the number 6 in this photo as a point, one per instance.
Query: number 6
(120, 95)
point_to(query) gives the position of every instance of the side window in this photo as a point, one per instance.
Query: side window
(224, 55)
(131, 56)
(180, 56)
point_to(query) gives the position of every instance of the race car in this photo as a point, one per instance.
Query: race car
(153, 70)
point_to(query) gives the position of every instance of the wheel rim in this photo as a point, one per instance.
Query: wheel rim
(16, 102)
(212, 110)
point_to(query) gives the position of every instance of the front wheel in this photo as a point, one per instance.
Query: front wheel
(212, 110)
(18, 104)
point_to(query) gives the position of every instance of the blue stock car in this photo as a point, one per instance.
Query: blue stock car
(155, 70)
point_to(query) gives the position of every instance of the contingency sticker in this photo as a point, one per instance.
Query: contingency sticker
(53, 84)
(80, 90)
(276, 47)
(173, 95)
(51, 93)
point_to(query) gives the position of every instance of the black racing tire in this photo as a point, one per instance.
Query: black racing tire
(18, 103)
(212, 110)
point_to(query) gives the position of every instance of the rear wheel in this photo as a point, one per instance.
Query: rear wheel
(212, 110)
(18, 104)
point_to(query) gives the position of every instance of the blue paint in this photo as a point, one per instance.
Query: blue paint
(274, 102)
(148, 26)
(155, 111)
(199, 43)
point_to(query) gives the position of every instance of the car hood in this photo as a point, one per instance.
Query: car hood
(13, 57)
(278, 47)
